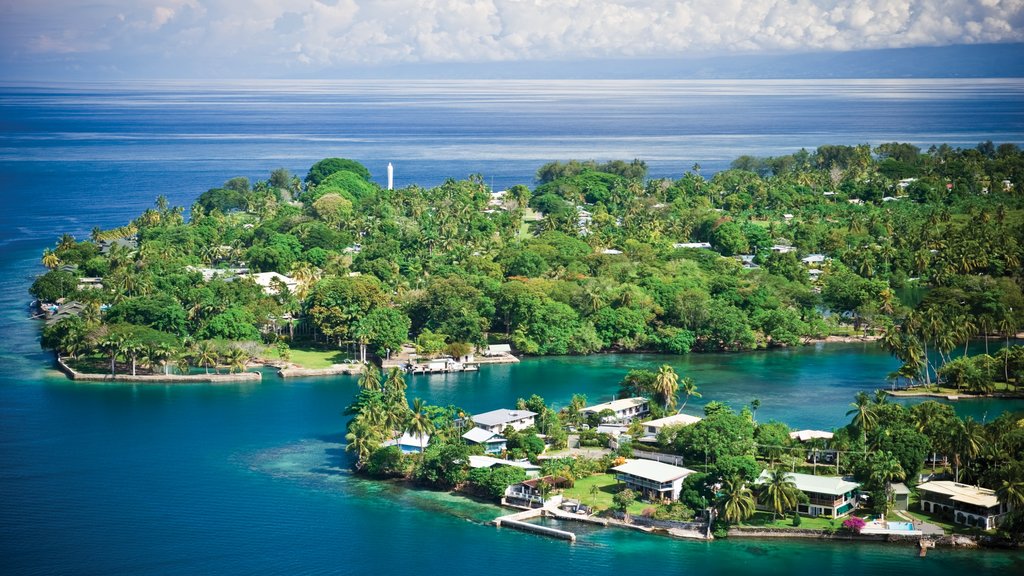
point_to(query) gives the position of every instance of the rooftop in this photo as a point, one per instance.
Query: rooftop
(805, 435)
(653, 471)
(965, 493)
(488, 461)
(833, 485)
(674, 420)
(479, 435)
(616, 405)
(409, 440)
(501, 416)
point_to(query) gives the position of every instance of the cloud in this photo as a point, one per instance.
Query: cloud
(209, 35)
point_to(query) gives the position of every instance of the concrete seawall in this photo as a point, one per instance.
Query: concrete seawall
(159, 378)
(335, 370)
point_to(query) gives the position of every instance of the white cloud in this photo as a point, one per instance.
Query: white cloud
(311, 34)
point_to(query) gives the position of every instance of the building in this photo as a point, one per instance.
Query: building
(962, 503)
(652, 427)
(497, 420)
(409, 444)
(498, 350)
(532, 470)
(654, 480)
(700, 245)
(783, 249)
(812, 259)
(900, 496)
(271, 281)
(492, 442)
(625, 409)
(528, 493)
(807, 435)
(829, 496)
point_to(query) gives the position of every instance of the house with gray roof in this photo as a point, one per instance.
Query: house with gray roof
(829, 496)
(497, 420)
(492, 442)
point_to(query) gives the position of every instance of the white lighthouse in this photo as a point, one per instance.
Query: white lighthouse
(391, 176)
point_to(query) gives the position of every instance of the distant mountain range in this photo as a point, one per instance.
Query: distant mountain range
(965, 61)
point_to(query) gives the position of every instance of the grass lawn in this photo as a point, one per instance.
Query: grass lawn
(601, 499)
(997, 387)
(764, 520)
(312, 357)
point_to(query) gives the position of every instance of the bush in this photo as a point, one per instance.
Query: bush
(853, 524)
(796, 520)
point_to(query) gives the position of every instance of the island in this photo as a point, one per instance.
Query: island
(919, 251)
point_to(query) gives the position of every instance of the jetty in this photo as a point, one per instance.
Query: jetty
(518, 522)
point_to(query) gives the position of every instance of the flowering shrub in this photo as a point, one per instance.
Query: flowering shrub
(854, 524)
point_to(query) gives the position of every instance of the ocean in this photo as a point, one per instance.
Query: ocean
(242, 479)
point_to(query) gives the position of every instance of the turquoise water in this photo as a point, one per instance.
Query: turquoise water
(243, 479)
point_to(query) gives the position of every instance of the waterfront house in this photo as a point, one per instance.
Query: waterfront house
(497, 420)
(625, 409)
(962, 503)
(492, 442)
(829, 496)
(532, 470)
(654, 480)
(528, 493)
(652, 427)
(409, 444)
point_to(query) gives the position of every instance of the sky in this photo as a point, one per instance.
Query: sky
(128, 39)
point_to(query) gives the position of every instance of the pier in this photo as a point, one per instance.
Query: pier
(517, 521)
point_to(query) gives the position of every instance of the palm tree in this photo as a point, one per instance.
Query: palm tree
(420, 425)
(394, 386)
(737, 502)
(50, 259)
(370, 378)
(863, 413)
(666, 385)
(780, 492)
(689, 389)
(1011, 493)
(754, 405)
(362, 438)
(206, 355)
(968, 440)
(113, 345)
(237, 359)
(884, 469)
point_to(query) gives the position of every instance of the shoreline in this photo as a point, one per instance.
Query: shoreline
(77, 376)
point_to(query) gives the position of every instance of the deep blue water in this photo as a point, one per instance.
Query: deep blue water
(98, 479)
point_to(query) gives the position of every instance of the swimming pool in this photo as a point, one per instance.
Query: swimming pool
(907, 526)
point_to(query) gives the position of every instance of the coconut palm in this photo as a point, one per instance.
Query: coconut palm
(370, 378)
(363, 438)
(394, 386)
(1011, 493)
(50, 259)
(689, 389)
(237, 359)
(968, 440)
(780, 492)
(206, 355)
(666, 386)
(737, 503)
(113, 345)
(420, 425)
(884, 469)
(863, 412)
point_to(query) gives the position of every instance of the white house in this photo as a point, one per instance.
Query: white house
(814, 259)
(783, 249)
(492, 442)
(497, 420)
(654, 480)
(704, 245)
(498, 350)
(625, 409)
(409, 443)
(962, 503)
(806, 435)
(269, 282)
(652, 427)
(830, 496)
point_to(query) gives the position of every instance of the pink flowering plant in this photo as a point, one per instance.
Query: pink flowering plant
(854, 524)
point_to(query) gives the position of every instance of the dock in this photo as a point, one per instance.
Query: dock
(517, 521)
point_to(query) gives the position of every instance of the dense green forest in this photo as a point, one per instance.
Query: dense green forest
(587, 260)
